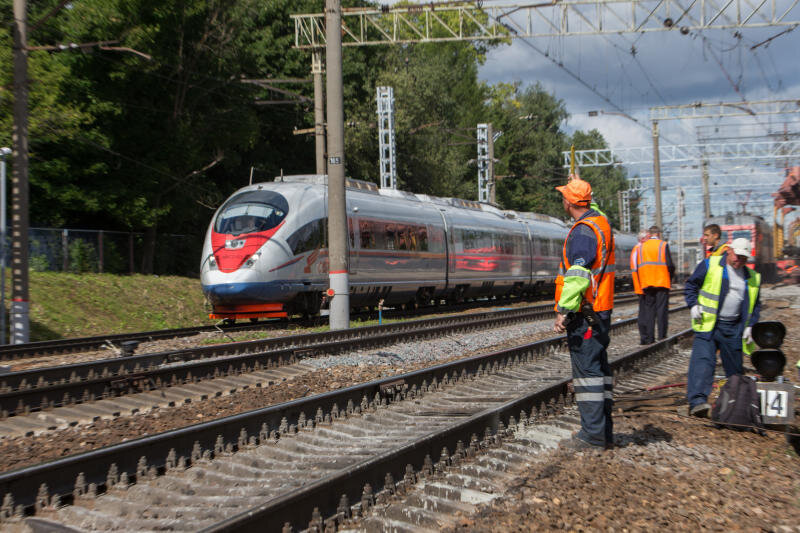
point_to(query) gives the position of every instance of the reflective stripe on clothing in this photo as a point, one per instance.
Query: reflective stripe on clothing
(589, 397)
(588, 382)
(580, 272)
(710, 296)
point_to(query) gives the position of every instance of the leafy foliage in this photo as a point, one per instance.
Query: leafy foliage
(152, 133)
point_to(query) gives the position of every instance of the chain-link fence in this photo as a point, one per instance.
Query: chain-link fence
(116, 252)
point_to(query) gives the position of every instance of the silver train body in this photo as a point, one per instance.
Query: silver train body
(264, 253)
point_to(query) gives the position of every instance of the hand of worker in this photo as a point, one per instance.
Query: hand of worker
(748, 334)
(559, 327)
(696, 313)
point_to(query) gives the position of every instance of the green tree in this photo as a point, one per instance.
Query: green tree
(438, 102)
(529, 151)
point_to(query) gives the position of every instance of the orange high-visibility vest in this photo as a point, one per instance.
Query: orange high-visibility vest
(652, 263)
(601, 292)
(637, 285)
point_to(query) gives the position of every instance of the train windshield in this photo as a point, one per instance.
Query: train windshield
(251, 212)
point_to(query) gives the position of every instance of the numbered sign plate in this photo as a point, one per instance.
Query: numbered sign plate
(777, 402)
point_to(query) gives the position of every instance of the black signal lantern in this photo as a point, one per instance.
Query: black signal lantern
(769, 360)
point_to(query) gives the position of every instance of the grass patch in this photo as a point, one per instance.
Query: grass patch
(64, 304)
(76, 305)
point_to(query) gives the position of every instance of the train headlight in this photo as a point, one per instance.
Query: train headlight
(212, 263)
(251, 261)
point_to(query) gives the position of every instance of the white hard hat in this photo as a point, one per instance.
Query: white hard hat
(741, 246)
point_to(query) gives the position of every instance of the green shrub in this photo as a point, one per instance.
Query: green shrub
(82, 257)
(39, 263)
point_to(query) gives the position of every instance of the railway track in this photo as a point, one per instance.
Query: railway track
(284, 461)
(16, 352)
(42, 389)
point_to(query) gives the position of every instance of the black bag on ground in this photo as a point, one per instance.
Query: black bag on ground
(738, 405)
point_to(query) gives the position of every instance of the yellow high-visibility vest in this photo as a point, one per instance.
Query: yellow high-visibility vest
(708, 299)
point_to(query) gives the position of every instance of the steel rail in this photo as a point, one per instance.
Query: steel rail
(10, 352)
(43, 388)
(54, 481)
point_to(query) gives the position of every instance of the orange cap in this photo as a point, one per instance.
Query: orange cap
(576, 191)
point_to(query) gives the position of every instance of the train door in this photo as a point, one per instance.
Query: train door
(529, 243)
(449, 239)
(353, 243)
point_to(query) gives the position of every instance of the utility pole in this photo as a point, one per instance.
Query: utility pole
(4, 152)
(681, 214)
(317, 69)
(19, 181)
(490, 139)
(706, 198)
(643, 218)
(337, 205)
(657, 175)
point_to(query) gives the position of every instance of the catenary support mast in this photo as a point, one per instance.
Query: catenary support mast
(337, 215)
(19, 182)
(317, 70)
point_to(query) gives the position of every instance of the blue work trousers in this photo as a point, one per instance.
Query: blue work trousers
(592, 379)
(727, 338)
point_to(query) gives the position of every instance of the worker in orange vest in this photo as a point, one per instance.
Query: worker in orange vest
(584, 301)
(655, 269)
(712, 234)
(637, 285)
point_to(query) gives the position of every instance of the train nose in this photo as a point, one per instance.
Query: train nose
(243, 293)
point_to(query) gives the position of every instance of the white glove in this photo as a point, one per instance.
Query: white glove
(748, 334)
(697, 314)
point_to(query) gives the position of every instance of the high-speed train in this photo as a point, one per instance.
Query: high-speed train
(265, 251)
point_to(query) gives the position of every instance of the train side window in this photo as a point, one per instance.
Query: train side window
(391, 237)
(422, 238)
(367, 231)
(402, 238)
(308, 237)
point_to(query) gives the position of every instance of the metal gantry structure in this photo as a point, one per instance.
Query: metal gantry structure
(457, 21)
(700, 110)
(386, 144)
(684, 153)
